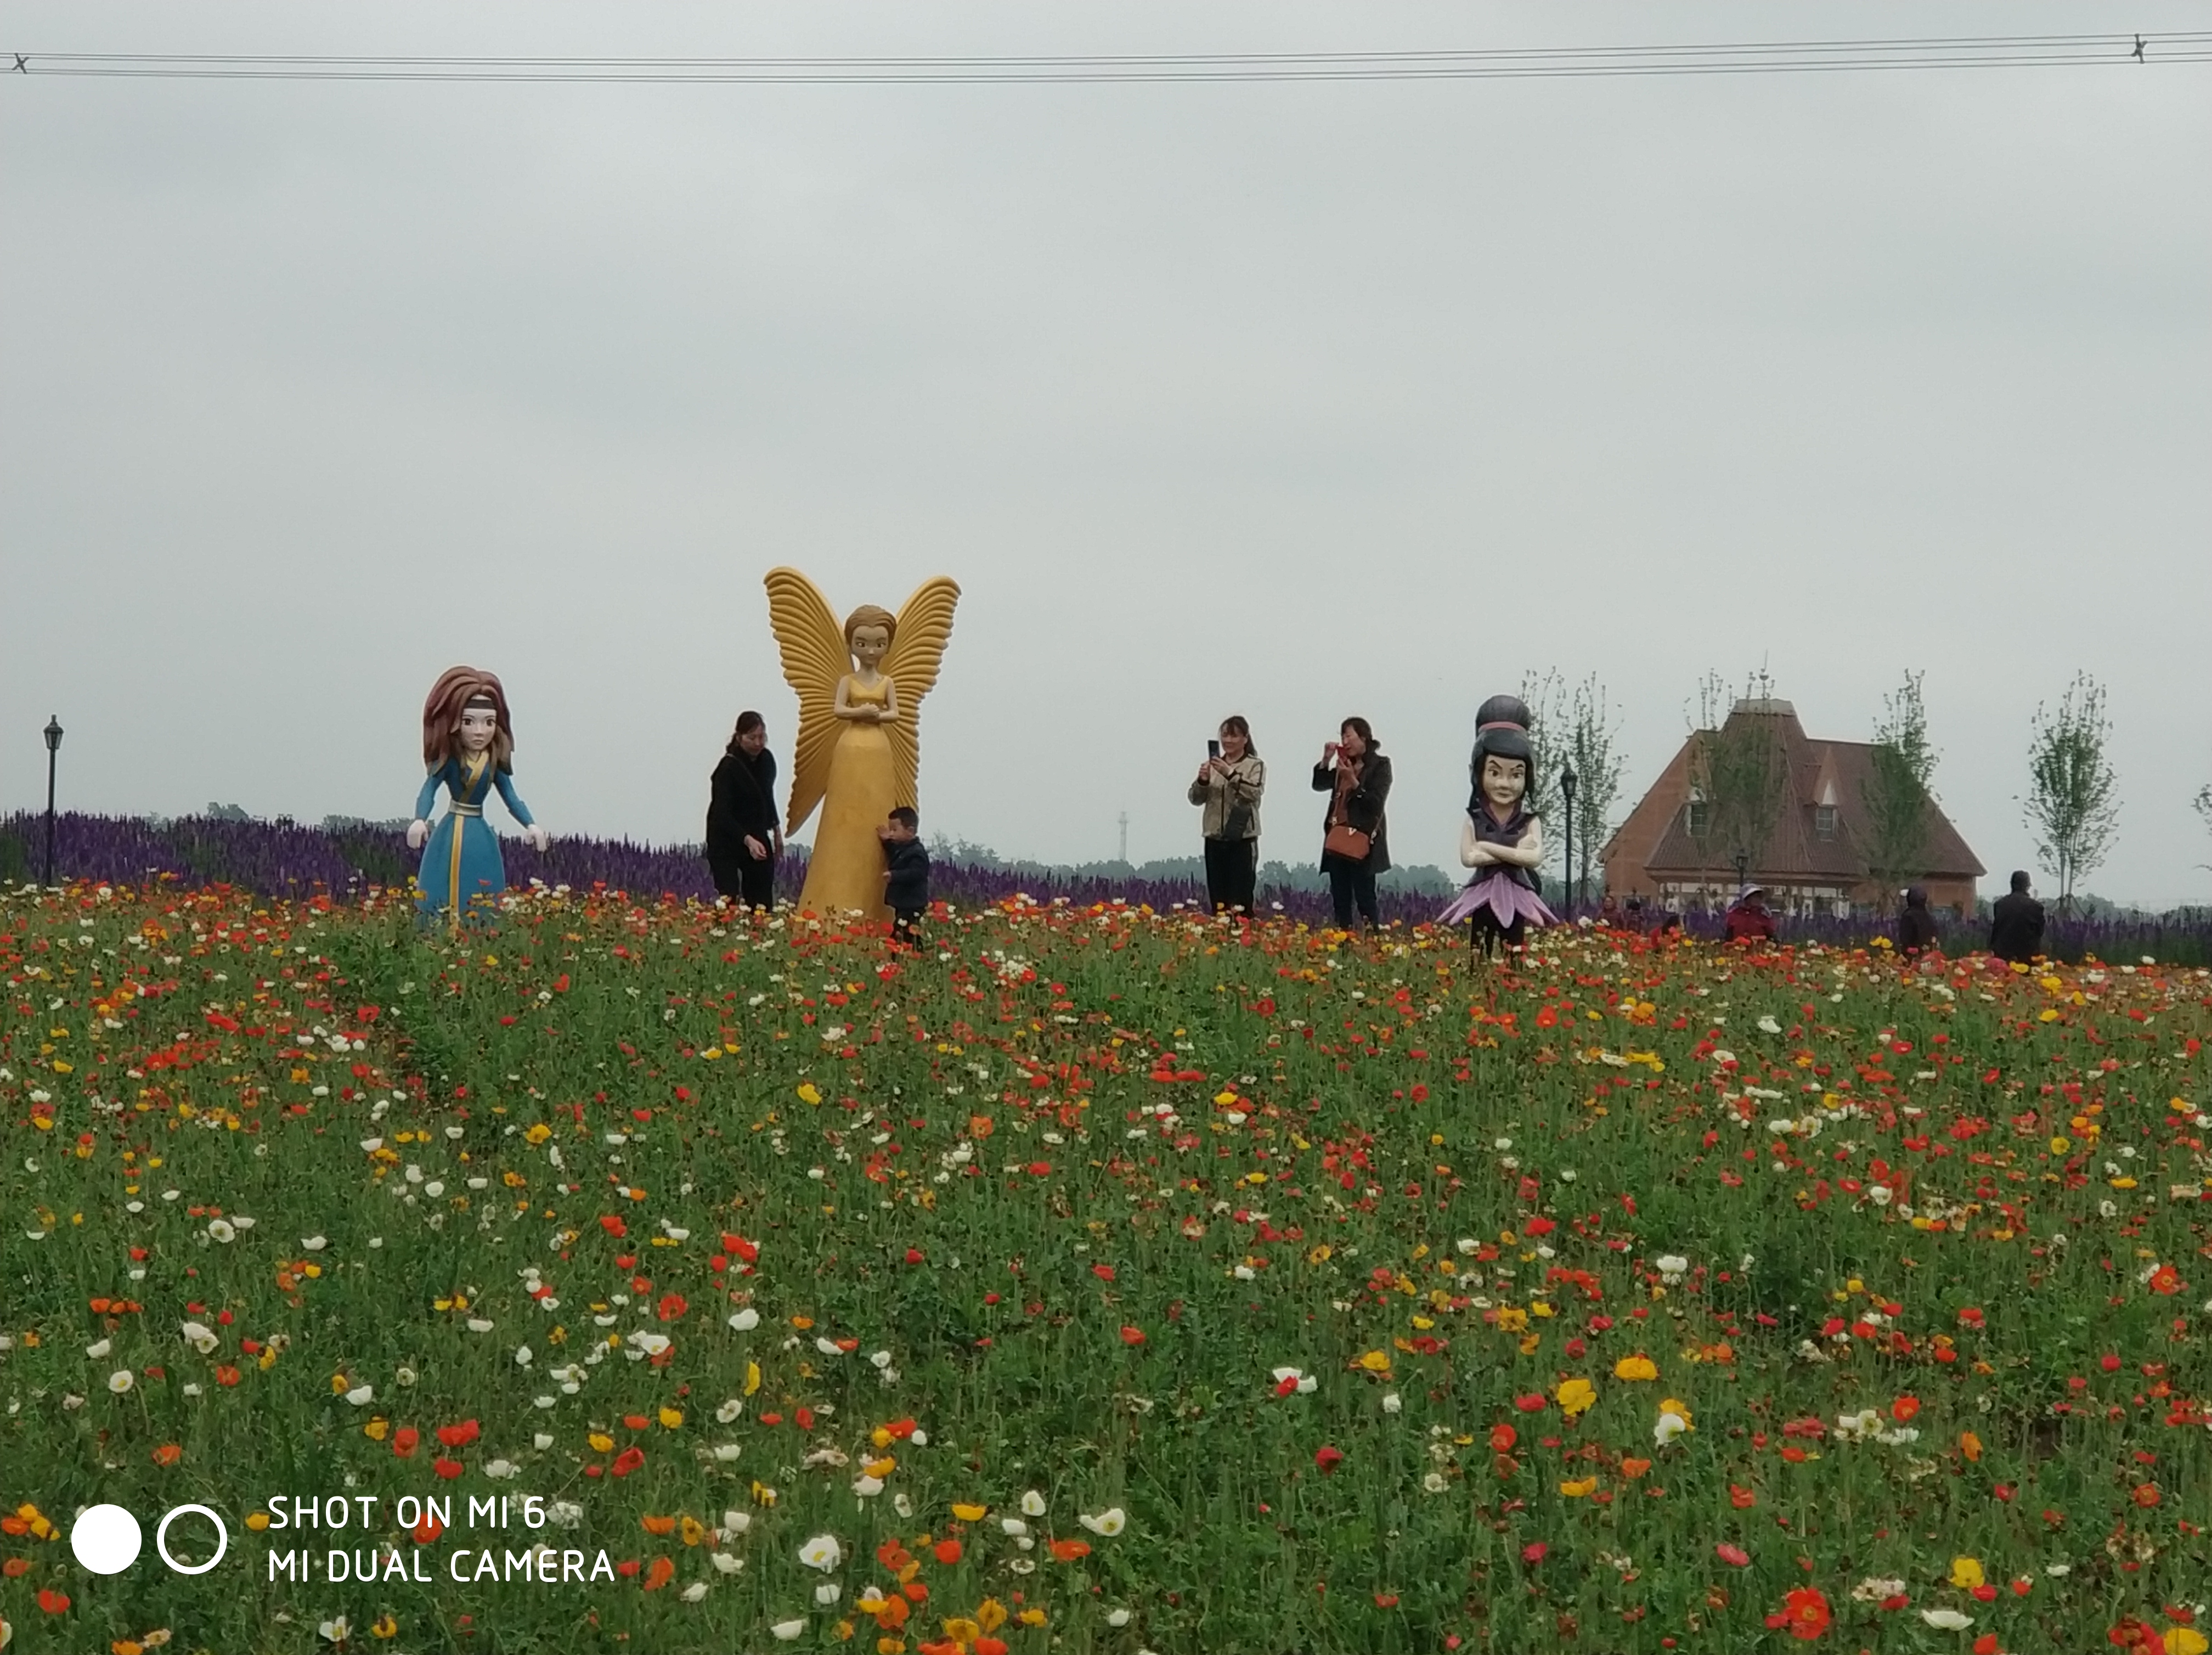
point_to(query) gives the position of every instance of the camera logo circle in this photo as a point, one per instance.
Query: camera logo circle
(161, 1540)
(106, 1539)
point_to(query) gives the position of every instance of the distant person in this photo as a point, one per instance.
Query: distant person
(1670, 925)
(742, 838)
(1749, 920)
(1355, 838)
(2017, 924)
(1916, 926)
(1229, 786)
(1608, 912)
(906, 872)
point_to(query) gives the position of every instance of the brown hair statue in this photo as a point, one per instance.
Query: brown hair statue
(468, 745)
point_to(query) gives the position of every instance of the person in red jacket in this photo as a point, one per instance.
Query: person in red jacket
(1749, 920)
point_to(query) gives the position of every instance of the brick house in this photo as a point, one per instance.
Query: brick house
(1812, 860)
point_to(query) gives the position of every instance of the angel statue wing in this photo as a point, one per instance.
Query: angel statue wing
(925, 623)
(814, 659)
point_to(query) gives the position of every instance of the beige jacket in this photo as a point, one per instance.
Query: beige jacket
(1232, 801)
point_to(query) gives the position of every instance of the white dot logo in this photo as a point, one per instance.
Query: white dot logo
(162, 1539)
(106, 1539)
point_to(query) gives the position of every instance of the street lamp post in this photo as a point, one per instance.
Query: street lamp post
(1742, 871)
(1567, 791)
(53, 751)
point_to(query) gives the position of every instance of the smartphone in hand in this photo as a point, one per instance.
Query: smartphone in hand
(1213, 748)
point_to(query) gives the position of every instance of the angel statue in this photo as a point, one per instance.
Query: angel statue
(858, 752)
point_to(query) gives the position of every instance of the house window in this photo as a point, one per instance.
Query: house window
(1824, 821)
(1697, 818)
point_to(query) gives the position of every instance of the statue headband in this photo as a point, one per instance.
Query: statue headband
(1501, 724)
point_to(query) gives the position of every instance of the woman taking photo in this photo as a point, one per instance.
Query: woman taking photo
(742, 841)
(1229, 786)
(1355, 844)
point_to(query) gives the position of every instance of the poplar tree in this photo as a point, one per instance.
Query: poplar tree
(2073, 800)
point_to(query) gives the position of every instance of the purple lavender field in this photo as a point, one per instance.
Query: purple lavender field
(283, 859)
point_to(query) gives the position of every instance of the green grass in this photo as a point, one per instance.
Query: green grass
(1435, 1188)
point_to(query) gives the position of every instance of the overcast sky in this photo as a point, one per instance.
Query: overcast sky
(1293, 400)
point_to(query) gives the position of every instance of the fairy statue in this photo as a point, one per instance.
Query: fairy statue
(1500, 840)
(858, 752)
(468, 743)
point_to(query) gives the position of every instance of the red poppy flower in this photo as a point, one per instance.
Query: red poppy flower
(447, 1469)
(1328, 1458)
(1806, 1613)
(628, 1461)
(459, 1436)
(54, 1602)
(1131, 1336)
(405, 1440)
(1734, 1554)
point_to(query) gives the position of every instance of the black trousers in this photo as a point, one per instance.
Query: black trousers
(747, 879)
(1488, 932)
(1232, 873)
(904, 922)
(1351, 882)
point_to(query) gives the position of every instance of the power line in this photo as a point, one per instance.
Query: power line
(1517, 63)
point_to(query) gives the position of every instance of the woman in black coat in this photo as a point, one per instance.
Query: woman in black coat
(742, 841)
(1356, 776)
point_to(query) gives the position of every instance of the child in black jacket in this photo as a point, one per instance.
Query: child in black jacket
(906, 872)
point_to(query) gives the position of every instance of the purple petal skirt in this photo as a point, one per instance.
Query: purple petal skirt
(1508, 900)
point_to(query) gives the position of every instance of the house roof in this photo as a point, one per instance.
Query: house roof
(1834, 773)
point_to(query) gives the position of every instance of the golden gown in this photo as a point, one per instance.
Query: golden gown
(845, 870)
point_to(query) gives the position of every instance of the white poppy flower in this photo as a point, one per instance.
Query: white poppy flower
(745, 1320)
(120, 1381)
(336, 1631)
(1109, 1523)
(542, 1441)
(736, 1522)
(501, 1469)
(1670, 1426)
(478, 1325)
(1117, 1617)
(1946, 1619)
(1033, 1503)
(726, 1562)
(314, 1244)
(729, 1410)
(828, 1593)
(867, 1487)
(99, 1348)
(695, 1591)
(221, 1230)
(785, 1631)
(1391, 1403)
(201, 1337)
(361, 1395)
(823, 1553)
(828, 1347)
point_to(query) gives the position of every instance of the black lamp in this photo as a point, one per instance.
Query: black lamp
(53, 751)
(1567, 791)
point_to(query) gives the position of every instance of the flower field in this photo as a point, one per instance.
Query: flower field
(1095, 1280)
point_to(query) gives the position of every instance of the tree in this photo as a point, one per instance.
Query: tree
(1739, 772)
(1592, 727)
(1549, 721)
(1900, 807)
(2203, 803)
(2072, 806)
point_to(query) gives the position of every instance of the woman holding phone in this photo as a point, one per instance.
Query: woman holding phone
(1229, 787)
(1355, 843)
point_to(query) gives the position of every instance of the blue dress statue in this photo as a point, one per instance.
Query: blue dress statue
(466, 742)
